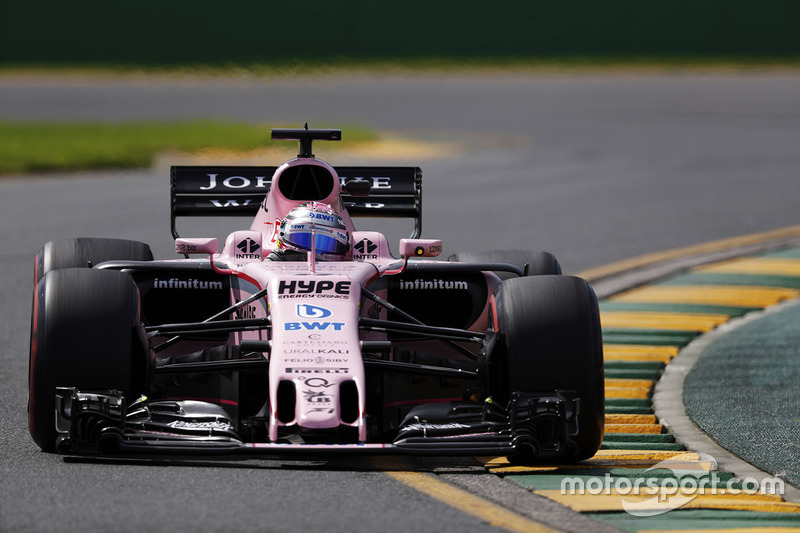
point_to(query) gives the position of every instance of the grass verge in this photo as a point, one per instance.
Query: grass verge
(56, 146)
(349, 66)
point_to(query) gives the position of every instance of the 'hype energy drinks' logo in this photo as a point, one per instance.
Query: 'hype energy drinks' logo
(314, 289)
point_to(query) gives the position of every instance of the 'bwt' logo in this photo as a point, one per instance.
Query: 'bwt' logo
(312, 326)
(312, 311)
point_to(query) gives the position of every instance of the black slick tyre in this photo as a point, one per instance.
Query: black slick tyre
(539, 262)
(550, 339)
(87, 252)
(85, 333)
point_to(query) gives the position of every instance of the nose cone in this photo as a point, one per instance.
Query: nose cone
(318, 403)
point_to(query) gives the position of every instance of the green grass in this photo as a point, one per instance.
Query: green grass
(416, 65)
(42, 147)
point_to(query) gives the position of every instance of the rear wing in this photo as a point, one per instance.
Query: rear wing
(239, 191)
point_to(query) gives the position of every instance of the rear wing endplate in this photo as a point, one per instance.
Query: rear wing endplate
(229, 191)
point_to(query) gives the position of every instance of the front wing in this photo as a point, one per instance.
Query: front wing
(536, 425)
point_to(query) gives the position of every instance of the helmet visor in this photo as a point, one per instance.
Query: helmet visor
(324, 243)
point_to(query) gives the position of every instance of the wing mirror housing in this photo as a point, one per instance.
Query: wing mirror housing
(420, 247)
(415, 248)
(196, 246)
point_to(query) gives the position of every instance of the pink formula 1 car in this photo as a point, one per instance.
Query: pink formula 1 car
(305, 334)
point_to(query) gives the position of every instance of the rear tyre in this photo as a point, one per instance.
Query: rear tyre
(550, 339)
(85, 333)
(539, 262)
(87, 252)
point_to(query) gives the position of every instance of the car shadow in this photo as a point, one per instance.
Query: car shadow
(349, 463)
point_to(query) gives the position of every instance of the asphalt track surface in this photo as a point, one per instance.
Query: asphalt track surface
(594, 168)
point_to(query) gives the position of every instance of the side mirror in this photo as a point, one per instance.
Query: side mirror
(358, 188)
(196, 246)
(420, 247)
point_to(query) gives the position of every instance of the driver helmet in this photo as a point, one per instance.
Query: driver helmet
(331, 238)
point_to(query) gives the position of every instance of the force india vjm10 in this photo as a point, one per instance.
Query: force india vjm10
(304, 333)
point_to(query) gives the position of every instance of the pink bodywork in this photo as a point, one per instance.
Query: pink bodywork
(275, 206)
(314, 307)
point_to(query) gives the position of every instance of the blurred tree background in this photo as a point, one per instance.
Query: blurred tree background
(251, 32)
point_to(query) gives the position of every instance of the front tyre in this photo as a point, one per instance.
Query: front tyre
(550, 340)
(87, 252)
(85, 333)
